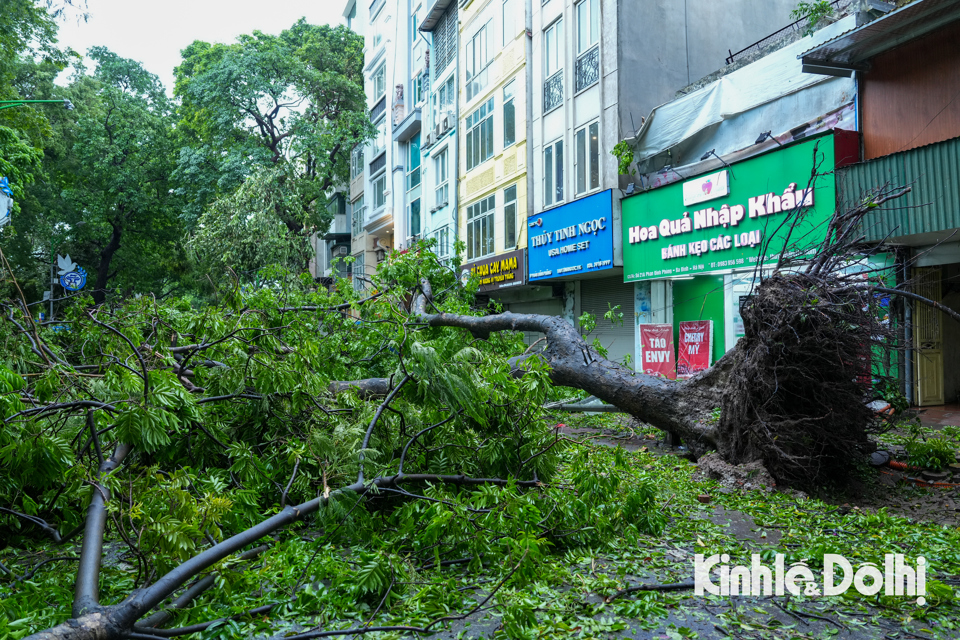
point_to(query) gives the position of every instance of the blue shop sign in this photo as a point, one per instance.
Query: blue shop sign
(574, 238)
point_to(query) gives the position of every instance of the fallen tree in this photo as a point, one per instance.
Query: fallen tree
(407, 422)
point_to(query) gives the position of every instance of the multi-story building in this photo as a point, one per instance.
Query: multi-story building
(494, 188)
(439, 140)
(597, 67)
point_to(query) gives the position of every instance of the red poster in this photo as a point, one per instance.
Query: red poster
(656, 350)
(696, 346)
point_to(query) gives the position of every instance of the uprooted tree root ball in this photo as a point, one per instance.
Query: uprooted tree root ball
(795, 397)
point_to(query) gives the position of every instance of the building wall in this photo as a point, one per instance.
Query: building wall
(508, 165)
(909, 95)
(682, 41)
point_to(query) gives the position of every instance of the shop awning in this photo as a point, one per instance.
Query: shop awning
(853, 49)
(771, 78)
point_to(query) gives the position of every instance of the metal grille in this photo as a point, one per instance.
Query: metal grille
(378, 163)
(378, 109)
(588, 68)
(445, 39)
(553, 92)
(800, 25)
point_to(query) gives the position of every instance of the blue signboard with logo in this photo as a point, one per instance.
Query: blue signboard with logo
(573, 239)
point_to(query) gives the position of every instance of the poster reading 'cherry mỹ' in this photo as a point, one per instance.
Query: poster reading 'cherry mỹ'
(696, 345)
(656, 351)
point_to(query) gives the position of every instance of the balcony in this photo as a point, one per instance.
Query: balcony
(378, 109)
(553, 92)
(588, 68)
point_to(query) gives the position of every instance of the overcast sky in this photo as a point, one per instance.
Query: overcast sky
(154, 32)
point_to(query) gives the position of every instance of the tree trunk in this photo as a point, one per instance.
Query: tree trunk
(103, 269)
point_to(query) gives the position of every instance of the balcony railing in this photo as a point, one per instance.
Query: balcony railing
(588, 68)
(553, 92)
(378, 109)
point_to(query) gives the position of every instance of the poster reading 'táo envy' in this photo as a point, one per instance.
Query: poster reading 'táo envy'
(656, 342)
(696, 345)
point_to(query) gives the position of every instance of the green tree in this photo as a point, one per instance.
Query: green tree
(284, 111)
(123, 156)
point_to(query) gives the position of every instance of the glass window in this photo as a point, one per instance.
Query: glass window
(379, 138)
(553, 173)
(413, 162)
(440, 171)
(356, 217)
(358, 273)
(553, 48)
(414, 24)
(480, 228)
(510, 218)
(416, 89)
(509, 21)
(587, 143)
(442, 249)
(414, 219)
(379, 191)
(588, 24)
(379, 81)
(356, 161)
(509, 114)
(479, 125)
(478, 54)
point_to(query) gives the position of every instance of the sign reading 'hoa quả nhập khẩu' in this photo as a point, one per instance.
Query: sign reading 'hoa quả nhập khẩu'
(663, 238)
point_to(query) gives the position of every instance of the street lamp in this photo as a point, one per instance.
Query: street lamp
(6, 104)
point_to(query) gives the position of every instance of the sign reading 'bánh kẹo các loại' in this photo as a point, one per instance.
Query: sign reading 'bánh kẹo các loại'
(662, 237)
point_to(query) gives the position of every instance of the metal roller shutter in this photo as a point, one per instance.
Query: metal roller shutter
(551, 307)
(595, 296)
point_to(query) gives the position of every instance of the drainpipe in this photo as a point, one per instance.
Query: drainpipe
(455, 200)
(908, 333)
(531, 93)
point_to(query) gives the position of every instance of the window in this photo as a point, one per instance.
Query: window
(445, 98)
(480, 228)
(553, 66)
(510, 217)
(587, 143)
(416, 89)
(478, 56)
(379, 139)
(479, 126)
(588, 24)
(379, 82)
(356, 217)
(356, 161)
(509, 114)
(379, 184)
(413, 218)
(442, 236)
(509, 21)
(553, 173)
(588, 53)
(445, 38)
(447, 95)
(413, 162)
(358, 273)
(414, 24)
(440, 171)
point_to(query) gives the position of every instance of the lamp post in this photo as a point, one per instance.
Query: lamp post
(53, 264)
(7, 104)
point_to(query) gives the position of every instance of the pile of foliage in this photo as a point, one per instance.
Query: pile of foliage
(193, 434)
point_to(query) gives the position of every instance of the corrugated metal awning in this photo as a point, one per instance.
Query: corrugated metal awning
(434, 11)
(854, 49)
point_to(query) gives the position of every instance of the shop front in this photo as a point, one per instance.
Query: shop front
(696, 248)
(571, 249)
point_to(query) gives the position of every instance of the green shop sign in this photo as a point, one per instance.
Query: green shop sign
(723, 220)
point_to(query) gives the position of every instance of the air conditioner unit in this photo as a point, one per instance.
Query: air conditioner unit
(445, 123)
(437, 131)
(428, 140)
(342, 250)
